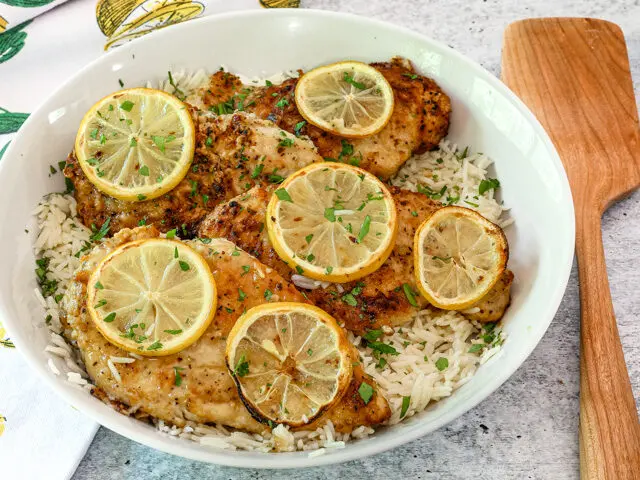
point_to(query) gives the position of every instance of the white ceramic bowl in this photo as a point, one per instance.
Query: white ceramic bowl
(486, 115)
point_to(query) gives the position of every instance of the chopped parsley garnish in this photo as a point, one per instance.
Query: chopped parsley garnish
(299, 126)
(488, 184)
(382, 348)
(414, 213)
(308, 238)
(175, 253)
(349, 79)
(275, 178)
(408, 292)
(245, 270)
(133, 142)
(257, 171)
(349, 299)
(110, 318)
(283, 102)
(471, 203)
(101, 303)
(178, 378)
(104, 229)
(268, 294)
(442, 363)
(173, 332)
(329, 214)
(205, 199)
(121, 82)
(283, 195)
(364, 229)
(476, 347)
(241, 295)
(184, 266)
(69, 185)
(464, 153)
(268, 83)
(406, 401)
(144, 171)
(93, 134)
(429, 192)
(242, 367)
(155, 346)
(171, 234)
(286, 142)
(299, 270)
(176, 91)
(159, 142)
(366, 392)
(208, 142)
(98, 286)
(141, 197)
(372, 335)
(126, 106)
(412, 76)
(329, 269)
(442, 259)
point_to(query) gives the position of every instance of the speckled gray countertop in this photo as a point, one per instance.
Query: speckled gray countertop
(528, 429)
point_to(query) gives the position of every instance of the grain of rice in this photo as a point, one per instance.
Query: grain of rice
(122, 360)
(114, 371)
(52, 366)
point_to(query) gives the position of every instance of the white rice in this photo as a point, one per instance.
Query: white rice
(458, 174)
(410, 380)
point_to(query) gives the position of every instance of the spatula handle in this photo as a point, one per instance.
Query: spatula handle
(609, 427)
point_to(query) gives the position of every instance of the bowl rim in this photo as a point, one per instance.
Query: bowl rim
(361, 449)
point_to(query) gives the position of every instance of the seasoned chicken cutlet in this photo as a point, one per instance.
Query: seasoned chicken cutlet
(380, 296)
(207, 392)
(233, 153)
(420, 117)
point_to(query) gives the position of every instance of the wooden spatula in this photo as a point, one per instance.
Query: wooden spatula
(574, 75)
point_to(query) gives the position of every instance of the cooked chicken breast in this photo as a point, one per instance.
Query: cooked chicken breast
(420, 118)
(381, 298)
(207, 392)
(233, 153)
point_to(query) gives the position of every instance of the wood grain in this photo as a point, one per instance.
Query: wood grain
(574, 75)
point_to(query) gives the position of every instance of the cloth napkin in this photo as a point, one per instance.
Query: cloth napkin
(41, 437)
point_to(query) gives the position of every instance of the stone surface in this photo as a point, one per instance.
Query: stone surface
(528, 428)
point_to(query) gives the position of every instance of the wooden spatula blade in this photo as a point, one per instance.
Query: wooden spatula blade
(574, 75)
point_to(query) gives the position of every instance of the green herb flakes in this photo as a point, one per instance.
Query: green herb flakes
(406, 401)
(408, 292)
(442, 363)
(283, 195)
(242, 367)
(126, 105)
(366, 392)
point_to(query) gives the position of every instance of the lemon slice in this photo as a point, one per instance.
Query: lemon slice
(291, 361)
(136, 144)
(350, 99)
(332, 222)
(153, 297)
(459, 256)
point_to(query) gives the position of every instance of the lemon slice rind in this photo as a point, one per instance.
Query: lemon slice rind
(332, 222)
(458, 257)
(153, 297)
(350, 99)
(136, 144)
(290, 361)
